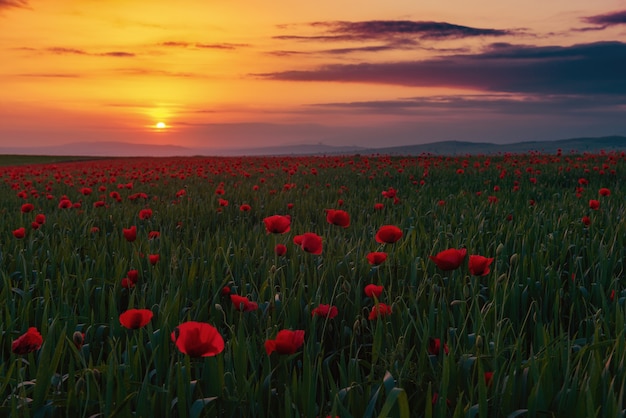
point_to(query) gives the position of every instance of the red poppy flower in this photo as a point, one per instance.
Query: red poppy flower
(154, 258)
(145, 214)
(594, 204)
(245, 208)
(198, 339)
(133, 275)
(65, 204)
(40, 218)
(338, 217)
(30, 341)
(277, 224)
(135, 318)
(154, 234)
(376, 258)
(127, 283)
(488, 378)
(19, 233)
(388, 234)
(449, 259)
(325, 311)
(310, 242)
(286, 342)
(242, 303)
(35, 225)
(434, 347)
(130, 233)
(223, 202)
(378, 206)
(372, 290)
(586, 220)
(479, 265)
(280, 249)
(604, 192)
(225, 291)
(379, 310)
(95, 229)
(27, 207)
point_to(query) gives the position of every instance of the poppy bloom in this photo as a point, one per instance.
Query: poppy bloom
(30, 341)
(130, 233)
(135, 318)
(286, 342)
(604, 192)
(245, 208)
(154, 234)
(376, 258)
(309, 242)
(133, 275)
(19, 233)
(449, 259)
(65, 204)
(225, 291)
(379, 206)
(372, 290)
(145, 214)
(27, 207)
(488, 378)
(586, 220)
(197, 339)
(594, 204)
(242, 303)
(325, 311)
(79, 339)
(223, 202)
(388, 234)
(338, 217)
(280, 249)
(277, 224)
(154, 258)
(40, 218)
(479, 265)
(127, 283)
(379, 310)
(434, 347)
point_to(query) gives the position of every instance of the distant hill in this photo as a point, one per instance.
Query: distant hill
(123, 149)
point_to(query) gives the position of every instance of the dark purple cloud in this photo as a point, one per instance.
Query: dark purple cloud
(119, 54)
(56, 50)
(389, 30)
(608, 19)
(596, 68)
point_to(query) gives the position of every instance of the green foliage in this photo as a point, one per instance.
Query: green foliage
(547, 320)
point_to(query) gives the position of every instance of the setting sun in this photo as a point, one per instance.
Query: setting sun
(161, 125)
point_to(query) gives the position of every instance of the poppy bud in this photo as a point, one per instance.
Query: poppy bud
(78, 339)
(80, 385)
(479, 342)
(499, 249)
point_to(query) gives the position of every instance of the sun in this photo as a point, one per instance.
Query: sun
(160, 125)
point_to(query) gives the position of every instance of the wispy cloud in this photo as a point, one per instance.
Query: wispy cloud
(58, 50)
(579, 69)
(608, 19)
(20, 4)
(49, 75)
(201, 45)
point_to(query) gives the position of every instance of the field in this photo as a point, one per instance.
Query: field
(386, 286)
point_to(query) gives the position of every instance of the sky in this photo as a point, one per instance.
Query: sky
(220, 74)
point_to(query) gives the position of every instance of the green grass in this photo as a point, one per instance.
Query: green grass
(542, 320)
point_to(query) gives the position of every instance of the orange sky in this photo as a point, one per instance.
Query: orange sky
(247, 73)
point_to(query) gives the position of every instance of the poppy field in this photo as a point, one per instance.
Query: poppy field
(331, 286)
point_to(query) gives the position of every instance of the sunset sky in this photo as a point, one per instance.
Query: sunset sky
(245, 73)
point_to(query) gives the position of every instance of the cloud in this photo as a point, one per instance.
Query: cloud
(56, 50)
(49, 75)
(18, 4)
(389, 30)
(200, 45)
(593, 68)
(609, 19)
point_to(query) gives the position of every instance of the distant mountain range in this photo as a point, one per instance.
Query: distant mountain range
(123, 149)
